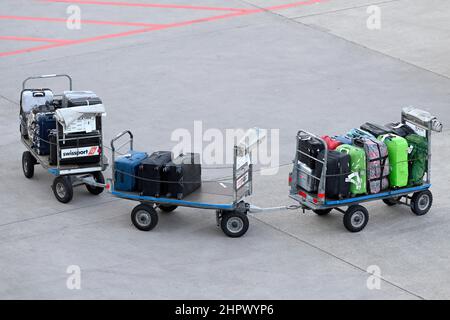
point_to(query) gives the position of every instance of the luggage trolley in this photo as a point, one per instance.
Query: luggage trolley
(226, 198)
(418, 198)
(67, 176)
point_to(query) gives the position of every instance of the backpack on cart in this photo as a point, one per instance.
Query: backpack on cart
(418, 158)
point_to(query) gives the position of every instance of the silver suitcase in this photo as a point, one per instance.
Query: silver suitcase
(305, 179)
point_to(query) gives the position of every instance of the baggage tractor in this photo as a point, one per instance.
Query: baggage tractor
(305, 179)
(79, 98)
(338, 169)
(398, 159)
(400, 129)
(310, 148)
(75, 148)
(126, 170)
(377, 164)
(44, 123)
(358, 168)
(417, 159)
(331, 143)
(375, 129)
(184, 175)
(151, 176)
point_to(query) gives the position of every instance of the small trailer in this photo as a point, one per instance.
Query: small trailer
(419, 198)
(66, 175)
(225, 196)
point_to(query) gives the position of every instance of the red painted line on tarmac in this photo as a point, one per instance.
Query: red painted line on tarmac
(14, 38)
(294, 4)
(145, 5)
(159, 27)
(114, 23)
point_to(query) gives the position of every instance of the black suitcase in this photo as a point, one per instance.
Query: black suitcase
(151, 177)
(400, 129)
(184, 175)
(311, 146)
(85, 150)
(338, 169)
(79, 98)
(375, 129)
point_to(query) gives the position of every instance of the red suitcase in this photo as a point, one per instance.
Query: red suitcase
(331, 143)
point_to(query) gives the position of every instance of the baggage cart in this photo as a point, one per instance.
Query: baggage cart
(225, 196)
(67, 176)
(418, 198)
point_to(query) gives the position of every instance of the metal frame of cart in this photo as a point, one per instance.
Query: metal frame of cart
(66, 176)
(356, 217)
(231, 213)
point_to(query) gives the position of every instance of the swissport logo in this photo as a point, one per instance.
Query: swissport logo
(80, 152)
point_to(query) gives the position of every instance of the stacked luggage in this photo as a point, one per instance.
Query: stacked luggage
(366, 160)
(158, 175)
(79, 142)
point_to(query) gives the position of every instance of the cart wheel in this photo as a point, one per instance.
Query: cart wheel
(166, 208)
(28, 162)
(144, 217)
(63, 189)
(322, 212)
(234, 224)
(98, 177)
(391, 201)
(356, 218)
(421, 202)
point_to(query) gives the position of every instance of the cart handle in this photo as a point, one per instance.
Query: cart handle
(46, 76)
(120, 135)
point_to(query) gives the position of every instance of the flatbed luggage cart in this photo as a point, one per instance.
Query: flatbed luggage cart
(67, 176)
(418, 198)
(226, 198)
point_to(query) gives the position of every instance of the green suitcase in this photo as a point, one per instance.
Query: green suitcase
(417, 158)
(398, 159)
(358, 166)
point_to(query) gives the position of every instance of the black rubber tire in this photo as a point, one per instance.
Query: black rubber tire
(28, 162)
(144, 217)
(421, 202)
(356, 218)
(167, 208)
(99, 178)
(322, 212)
(234, 224)
(391, 201)
(63, 189)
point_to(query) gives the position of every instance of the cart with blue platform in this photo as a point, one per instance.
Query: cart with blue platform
(419, 197)
(227, 196)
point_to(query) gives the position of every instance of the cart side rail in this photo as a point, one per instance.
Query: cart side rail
(302, 135)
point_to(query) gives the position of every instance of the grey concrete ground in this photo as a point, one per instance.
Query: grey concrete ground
(313, 66)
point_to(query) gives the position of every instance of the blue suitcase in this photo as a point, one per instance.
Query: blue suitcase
(45, 122)
(126, 170)
(343, 139)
